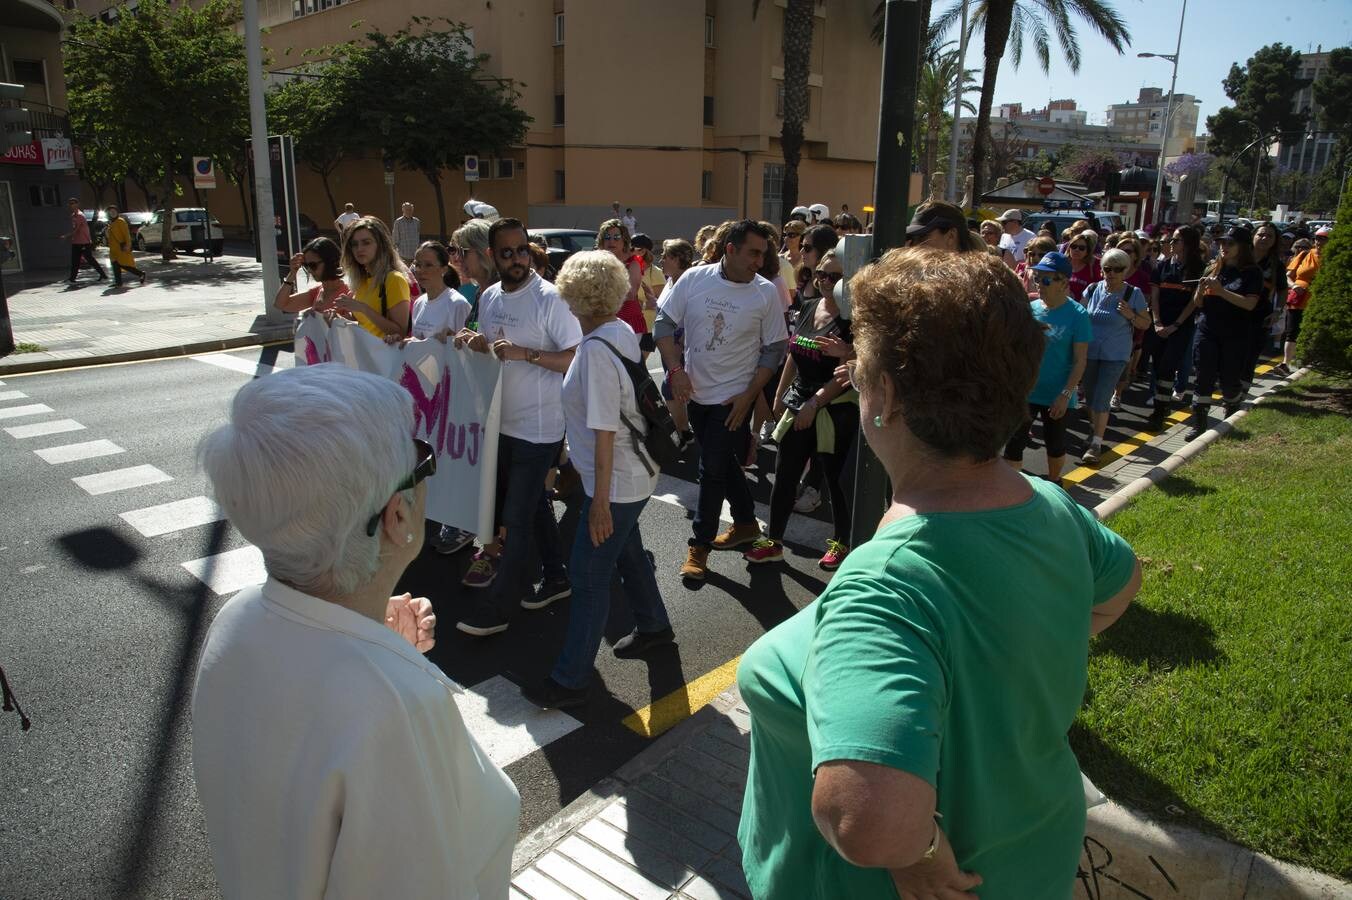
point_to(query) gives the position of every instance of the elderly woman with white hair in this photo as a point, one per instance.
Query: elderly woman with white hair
(1115, 309)
(330, 756)
(605, 428)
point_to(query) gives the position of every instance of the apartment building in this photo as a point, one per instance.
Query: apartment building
(670, 107)
(1143, 120)
(1309, 152)
(1025, 133)
(37, 177)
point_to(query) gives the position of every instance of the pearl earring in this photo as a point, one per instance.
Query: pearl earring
(878, 421)
(409, 539)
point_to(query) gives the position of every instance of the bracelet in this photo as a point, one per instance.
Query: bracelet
(676, 368)
(933, 849)
(290, 284)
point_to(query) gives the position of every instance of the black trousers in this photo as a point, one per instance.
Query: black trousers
(1219, 358)
(795, 449)
(118, 270)
(84, 253)
(1166, 354)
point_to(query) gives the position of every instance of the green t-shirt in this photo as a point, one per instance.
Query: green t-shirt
(952, 646)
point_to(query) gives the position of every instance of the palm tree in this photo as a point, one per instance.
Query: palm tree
(934, 98)
(1004, 23)
(798, 27)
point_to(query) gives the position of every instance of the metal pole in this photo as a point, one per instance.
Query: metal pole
(902, 31)
(262, 164)
(1257, 166)
(1168, 115)
(957, 107)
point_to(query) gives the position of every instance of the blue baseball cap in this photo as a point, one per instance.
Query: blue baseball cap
(1054, 262)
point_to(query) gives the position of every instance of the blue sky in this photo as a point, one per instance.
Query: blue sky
(1215, 34)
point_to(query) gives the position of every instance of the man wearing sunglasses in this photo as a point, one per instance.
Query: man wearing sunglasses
(524, 323)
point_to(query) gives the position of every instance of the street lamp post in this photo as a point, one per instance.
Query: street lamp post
(957, 108)
(1168, 114)
(1257, 162)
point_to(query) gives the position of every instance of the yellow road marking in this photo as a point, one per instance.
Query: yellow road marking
(684, 702)
(134, 362)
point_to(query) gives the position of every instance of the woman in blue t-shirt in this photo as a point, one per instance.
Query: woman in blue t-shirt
(1116, 309)
(1226, 296)
(1063, 360)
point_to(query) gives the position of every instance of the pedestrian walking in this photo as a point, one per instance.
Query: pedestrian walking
(614, 237)
(600, 409)
(735, 340)
(378, 278)
(1015, 237)
(473, 261)
(1226, 296)
(81, 244)
(524, 323)
(1169, 342)
(1302, 269)
(941, 226)
(908, 728)
(1267, 256)
(119, 247)
(1115, 308)
(407, 234)
(345, 219)
(629, 221)
(329, 754)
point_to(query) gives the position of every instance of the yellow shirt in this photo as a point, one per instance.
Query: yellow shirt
(396, 292)
(119, 234)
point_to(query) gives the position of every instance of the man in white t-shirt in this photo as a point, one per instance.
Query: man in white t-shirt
(525, 323)
(1016, 237)
(345, 218)
(735, 340)
(628, 221)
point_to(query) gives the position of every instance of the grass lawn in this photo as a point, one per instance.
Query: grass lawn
(1223, 698)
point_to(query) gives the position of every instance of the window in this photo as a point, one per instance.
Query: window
(558, 184)
(29, 71)
(772, 192)
(708, 110)
(779, 104)
(706, 185)
(558, 109)
(43, 195)
(504, 168)
(558, 29)
(708, 31)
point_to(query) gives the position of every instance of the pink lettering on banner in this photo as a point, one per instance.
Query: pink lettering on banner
(432, 418)
(312, 357)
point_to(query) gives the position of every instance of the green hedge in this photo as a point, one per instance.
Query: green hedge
(1326, 332)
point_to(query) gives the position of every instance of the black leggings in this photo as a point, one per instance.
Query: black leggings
(1053, 433)
(795, 449)
(1166, 354)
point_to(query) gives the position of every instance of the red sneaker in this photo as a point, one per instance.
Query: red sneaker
(834, 556)
(764, 550)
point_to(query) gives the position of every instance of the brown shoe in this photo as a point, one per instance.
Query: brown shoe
(737, 536)
(696, 563)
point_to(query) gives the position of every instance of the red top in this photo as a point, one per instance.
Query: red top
(631, 311)
(79, 229)
(1082, 278)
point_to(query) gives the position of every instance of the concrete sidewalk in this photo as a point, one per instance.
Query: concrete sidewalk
(664, 825)
(185, 306)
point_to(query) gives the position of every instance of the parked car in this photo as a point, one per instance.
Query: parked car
(98, 224)
(308, 229)
(148, 237)
(1062, 219)
(562, 243)
(135, 219)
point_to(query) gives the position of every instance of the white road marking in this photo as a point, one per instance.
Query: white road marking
(170, 517)
(121, 479)
(802, 530)
(231, 571)
(235, 364)
(32, 409)
(76, 452)
(12, 395)
(41, 429)
(507, 725)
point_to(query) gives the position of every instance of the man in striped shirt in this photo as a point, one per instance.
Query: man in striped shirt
(407, 234)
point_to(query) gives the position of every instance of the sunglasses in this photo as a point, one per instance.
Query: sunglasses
(612, 237)
(852, 372)
(424, 468)
(1173, 240)
(1114, 269)
(832, 277)
(1046, 280)
(312, 264)
(455, 251)
(1081, 247)
(511, 252)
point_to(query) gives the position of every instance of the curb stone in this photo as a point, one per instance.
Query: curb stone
(281, 333)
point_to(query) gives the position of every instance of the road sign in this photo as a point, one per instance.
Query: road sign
(1046, 185)
(203, 172)
(471, 168)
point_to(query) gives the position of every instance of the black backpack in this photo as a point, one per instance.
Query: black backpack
(659, 441)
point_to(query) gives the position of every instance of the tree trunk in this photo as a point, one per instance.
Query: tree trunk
(931, 149)
(249, 226)
(999, 15)
(798, 26)
(166, 234)
(324, 172)
(434, 176)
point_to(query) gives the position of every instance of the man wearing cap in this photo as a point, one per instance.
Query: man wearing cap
(1016, 237)
(941, 226)
(1069, 332)
(1300, 272)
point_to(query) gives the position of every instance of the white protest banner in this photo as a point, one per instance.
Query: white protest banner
(455, 409)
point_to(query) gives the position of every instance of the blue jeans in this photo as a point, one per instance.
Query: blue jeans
(720, 471)
(590, 570)
(525, 513)
(1099, 381)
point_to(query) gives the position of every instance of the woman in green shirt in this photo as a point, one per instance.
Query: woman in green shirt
(909, 728)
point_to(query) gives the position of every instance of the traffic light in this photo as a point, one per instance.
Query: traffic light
(13, 118)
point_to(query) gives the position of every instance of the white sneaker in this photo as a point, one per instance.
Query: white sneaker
(1178, 398)
(1091, 455)
(1115, 404)
(808, 500)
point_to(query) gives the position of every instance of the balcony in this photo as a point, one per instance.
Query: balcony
(39, 15)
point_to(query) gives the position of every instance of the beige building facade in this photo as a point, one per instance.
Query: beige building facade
(667, 106)
(1143, 120)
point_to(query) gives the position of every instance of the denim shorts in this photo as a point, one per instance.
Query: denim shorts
(1099, 382)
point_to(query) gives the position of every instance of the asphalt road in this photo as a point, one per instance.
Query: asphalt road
(100, 626)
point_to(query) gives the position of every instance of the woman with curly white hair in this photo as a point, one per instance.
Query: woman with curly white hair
(605, 443)
(329, 755)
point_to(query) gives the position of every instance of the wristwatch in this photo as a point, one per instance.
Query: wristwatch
(532, 356)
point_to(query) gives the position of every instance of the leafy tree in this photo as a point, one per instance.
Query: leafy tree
(161, 86)
(797, 44)
(1333, 96)
(1039, 166)
(934, 100)
(1004, 23)
(1194, 164)
(1090, 166)
(309, 107)
(378, 104)
(1326, 331)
